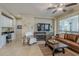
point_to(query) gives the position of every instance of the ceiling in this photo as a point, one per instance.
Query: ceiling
(28, 9)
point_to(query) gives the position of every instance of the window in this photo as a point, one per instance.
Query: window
(70, 24)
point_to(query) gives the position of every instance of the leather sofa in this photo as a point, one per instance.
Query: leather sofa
(71, 40)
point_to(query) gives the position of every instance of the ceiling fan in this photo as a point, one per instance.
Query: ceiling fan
(54, 7)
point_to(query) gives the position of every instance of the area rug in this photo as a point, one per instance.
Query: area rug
(48, 52)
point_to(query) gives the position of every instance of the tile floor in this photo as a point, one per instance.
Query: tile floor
(15, 48)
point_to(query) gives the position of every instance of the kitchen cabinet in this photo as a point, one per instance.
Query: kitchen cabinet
(2, 41)
(1, 21)
(13, 37)
(10, 23)
(5, 21)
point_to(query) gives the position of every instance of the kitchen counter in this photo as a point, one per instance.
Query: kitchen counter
(7, 32)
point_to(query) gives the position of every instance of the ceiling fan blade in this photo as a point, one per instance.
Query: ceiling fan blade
(70, 4)
(51, 8)
(64, 10)
(54, 11)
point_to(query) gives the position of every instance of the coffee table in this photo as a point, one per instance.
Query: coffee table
(56, 45)
(59, 46)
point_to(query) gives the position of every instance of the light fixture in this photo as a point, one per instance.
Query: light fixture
(60, 9)
(53, 5)
(18, 17)
(61, 4)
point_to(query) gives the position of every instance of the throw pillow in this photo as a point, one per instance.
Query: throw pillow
(78, 41)
(61, 35)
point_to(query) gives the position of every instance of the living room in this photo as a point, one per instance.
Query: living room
(39, 29)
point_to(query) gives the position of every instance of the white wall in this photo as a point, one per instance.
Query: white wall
(29, 23)
(18, 31)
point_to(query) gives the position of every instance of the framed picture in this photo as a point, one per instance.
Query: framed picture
(43, 27)
(47, 27)
(19, 26)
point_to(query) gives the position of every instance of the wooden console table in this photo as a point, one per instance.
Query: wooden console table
(40, 35)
